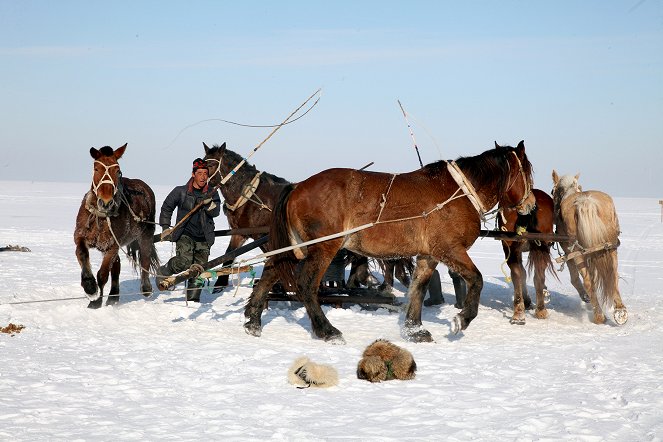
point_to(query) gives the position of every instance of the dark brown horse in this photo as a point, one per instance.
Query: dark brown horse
(114, 213)
(421, 213)
(539, 220)
(250, 195)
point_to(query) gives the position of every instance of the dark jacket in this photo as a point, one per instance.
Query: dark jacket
(183, 198)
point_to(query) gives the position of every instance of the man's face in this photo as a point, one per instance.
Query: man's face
(200, 178)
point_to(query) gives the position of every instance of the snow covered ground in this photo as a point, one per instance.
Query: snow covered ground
(157, 369)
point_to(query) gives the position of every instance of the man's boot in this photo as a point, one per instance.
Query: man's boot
(460, 288)
(193, 290)
(434, 290)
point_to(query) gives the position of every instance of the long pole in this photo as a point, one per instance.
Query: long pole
(411, 133)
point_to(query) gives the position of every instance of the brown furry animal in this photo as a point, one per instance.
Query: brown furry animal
(383, 361)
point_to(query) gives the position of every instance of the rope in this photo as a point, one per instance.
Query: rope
(239, 124)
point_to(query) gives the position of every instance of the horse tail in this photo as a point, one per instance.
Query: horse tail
(133, 249)
(279, 237)
(592, 230)
(539, 258)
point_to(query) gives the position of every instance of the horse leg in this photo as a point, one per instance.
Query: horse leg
(310, 274)
(515, 262)
(463, 265)
(575, 278)
(114, 294)
(620, 315)
(88, 282)
(581, 264)
(258, 300)
(222, 281)
(400, 273)
(103, 273)
(388, 281)
(540, 281)
(145, 258)
(413, 329)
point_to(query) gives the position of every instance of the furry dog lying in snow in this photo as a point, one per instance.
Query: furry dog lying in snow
(383, 361)
(305, 373)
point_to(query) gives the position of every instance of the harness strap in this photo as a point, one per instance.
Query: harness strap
(466, 186)
(247, 192)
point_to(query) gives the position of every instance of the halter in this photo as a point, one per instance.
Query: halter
(105, 178)
(218, 169)
(528, 187)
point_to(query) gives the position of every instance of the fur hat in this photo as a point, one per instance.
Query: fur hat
(383, 361)
(304, 373)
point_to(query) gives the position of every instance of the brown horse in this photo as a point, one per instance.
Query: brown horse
(115, 212)
(250, 196)
(423, 213)
(539, 220)
(591, 218)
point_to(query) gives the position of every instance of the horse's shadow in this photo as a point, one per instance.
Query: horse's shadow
(499, 297)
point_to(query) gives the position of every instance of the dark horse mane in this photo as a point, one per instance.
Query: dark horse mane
(480, 169)
(233, 158)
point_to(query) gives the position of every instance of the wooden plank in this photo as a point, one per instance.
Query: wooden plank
(526, 236)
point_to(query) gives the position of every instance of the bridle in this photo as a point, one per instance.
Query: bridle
(105, 178)
(526, 184)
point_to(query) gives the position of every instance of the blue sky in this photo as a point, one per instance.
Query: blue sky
(580, 82)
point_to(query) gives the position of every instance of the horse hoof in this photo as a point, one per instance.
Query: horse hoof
(95, 296)
(252, 329)
(95, 304)
(546, 296)
(335, 339)
(541, 314)
(585, 297)
(417, 333)
(621, 316)
(457, 325)
(112, 300)
(517, 321)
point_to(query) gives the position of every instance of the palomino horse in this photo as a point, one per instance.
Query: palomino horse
(539, 220)
(423, 213)
(590, 217)
(115, 212)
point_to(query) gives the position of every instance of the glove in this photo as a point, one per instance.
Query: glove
(165, 231)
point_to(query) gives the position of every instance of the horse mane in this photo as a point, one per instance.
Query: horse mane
(106, 151)
(234, 158)
(481, 169)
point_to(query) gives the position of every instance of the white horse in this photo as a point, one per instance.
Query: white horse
(591, 218)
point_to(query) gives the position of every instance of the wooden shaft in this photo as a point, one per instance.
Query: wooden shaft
(193, 272)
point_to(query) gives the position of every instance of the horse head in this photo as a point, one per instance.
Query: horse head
(106, 176)
(518, 192)
(564, 186)
(213, 157)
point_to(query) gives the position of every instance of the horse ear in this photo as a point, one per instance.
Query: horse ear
(497, 146)
(119, 152)
(223, 146)
(577, 176)
(521, 145)
(555, 177)
(94, 153)
(206, 148)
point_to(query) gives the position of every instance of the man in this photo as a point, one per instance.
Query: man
(196, 235)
